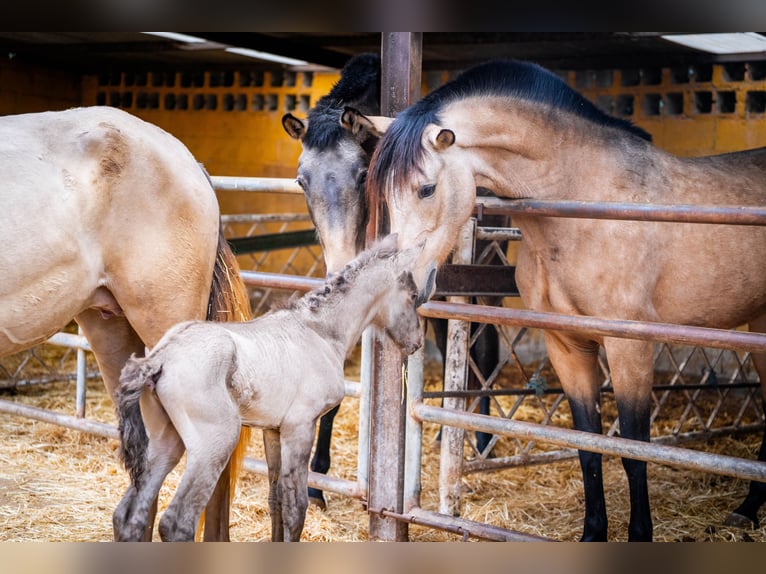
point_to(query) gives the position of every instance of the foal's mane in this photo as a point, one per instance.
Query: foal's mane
(339, 283)
(400, 151)
(358, 86)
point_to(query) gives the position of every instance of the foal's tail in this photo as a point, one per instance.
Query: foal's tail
(229, 301)
(137, 374)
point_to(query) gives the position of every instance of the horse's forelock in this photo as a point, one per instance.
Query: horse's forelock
(400, 151)
(324, 131)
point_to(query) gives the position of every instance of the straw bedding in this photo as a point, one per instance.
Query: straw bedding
(62, 485)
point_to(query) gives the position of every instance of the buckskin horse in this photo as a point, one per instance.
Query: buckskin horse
(520, 131)
(110, 221)
(338, 138)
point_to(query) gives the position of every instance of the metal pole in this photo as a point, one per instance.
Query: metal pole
(723, 214)
(80, 386)
(665, 332)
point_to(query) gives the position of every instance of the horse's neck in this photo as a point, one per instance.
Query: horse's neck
(342, 317)
(534, 156)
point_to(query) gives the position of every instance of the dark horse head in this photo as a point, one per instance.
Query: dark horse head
(338, 140)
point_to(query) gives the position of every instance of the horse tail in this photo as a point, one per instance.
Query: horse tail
(137, 374)
(229, 301)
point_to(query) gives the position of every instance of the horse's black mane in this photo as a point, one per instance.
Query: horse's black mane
(523, 80)
(358, 86)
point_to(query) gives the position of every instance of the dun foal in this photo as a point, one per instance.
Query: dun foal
(279, 372)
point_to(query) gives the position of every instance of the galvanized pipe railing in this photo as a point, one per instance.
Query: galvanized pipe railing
(721, 214)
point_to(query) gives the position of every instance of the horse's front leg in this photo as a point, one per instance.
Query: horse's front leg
(272, 451)
(632, 371)
(295, 445)
(576, 364)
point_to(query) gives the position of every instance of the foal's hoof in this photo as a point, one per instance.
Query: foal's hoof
(740, 521)
(316, 497)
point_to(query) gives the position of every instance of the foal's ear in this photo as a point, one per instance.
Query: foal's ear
(294, 127)
(439, 138)
(362, 126)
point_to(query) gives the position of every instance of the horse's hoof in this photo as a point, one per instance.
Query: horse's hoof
(739, 521)
(316, 497)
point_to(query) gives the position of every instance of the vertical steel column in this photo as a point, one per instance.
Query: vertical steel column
(401, 55)
(80, 390)
(455, 379)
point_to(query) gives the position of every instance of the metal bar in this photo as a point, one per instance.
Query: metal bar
(667, 332)
(363, 438)
(670, 455)
(316, 479)
(279, 281)
(721, 214)
(69, 340)
(257, 184)
(558, 390)
(85, 425)
(461, 526)
(80, 387)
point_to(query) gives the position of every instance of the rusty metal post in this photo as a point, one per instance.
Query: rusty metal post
(455, 379)
(400, 86)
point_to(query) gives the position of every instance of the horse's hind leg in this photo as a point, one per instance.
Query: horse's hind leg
(746, 514)
(272, 450)
(113, 341)
(321, 460)
(632, 370)
(210, 437)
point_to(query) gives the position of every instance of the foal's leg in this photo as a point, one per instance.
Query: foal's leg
(273, 455)
(295, 446)
(631, 364)
(321, 460)
(576, 363)
(134, 517)
(210, 438)
(746, 514)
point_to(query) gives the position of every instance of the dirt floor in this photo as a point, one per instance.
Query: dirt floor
(62, 485)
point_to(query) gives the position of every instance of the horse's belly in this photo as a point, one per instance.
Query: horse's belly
(41, 292)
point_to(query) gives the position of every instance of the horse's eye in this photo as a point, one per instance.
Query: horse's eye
(361, 178)
(300, 180)
(426, 191)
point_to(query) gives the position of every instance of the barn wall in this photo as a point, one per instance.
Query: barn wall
(689, 110)
(30, 88)
(230, 121)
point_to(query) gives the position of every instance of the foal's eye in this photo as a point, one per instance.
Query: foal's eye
(426, 191)
(361, 178)
(300, 180)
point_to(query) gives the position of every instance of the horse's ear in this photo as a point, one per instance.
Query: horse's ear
(294, 127)
(444, 139)
(362, 126)
(438, 138)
